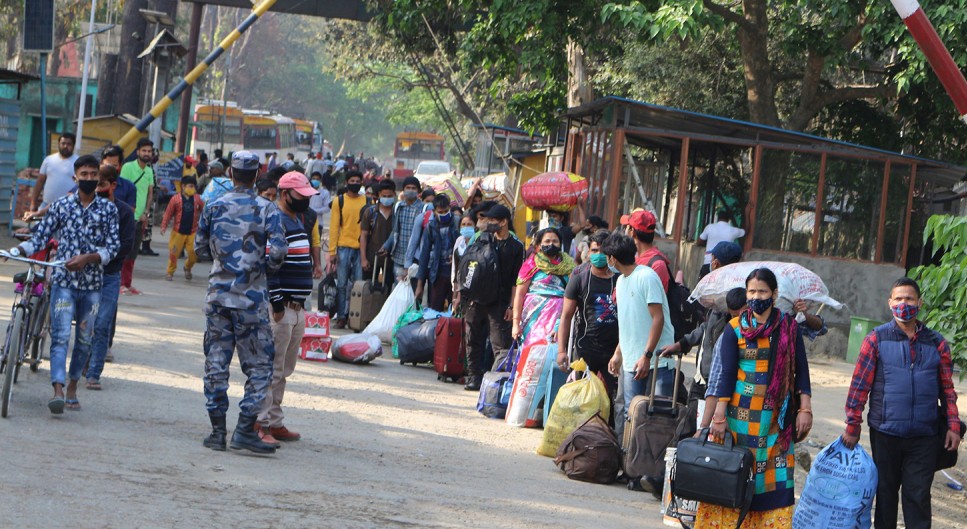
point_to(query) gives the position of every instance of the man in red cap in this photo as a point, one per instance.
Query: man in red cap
(640, 226)
(288, 290)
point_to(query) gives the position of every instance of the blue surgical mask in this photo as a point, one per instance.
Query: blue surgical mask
(410, 194)
(614, 270)
(445, 218)
(387, 201)
(316, 184)
(553, 223)
(467, 232)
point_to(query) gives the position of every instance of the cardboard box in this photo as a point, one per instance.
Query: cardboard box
(315, 349)
(317, 324)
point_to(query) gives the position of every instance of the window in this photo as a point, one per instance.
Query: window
(786, 208)
(851, 208)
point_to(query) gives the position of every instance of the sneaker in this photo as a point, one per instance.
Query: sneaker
(109, 357)
(187, 274)
(169, 277)
(284, 434)
(133, 292)
(123, 291)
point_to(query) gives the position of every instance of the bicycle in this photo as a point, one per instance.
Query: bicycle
(27, 326)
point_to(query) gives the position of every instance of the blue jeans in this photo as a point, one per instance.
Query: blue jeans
(348, 271)
(633, 388)
(66, 305)
(106, 312)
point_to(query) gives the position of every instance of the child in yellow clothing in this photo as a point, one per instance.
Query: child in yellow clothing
(182, 213)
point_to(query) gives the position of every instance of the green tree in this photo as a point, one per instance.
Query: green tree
(944, 285)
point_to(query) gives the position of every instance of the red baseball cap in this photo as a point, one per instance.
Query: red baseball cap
(640, 220)
(189, 159)
(297, 182)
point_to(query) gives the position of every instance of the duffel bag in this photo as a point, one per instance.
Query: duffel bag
(416, 342)
(591, 453)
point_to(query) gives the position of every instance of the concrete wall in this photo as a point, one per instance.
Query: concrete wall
(862, 286)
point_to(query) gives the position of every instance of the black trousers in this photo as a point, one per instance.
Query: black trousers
(907, 463)
(481, 321)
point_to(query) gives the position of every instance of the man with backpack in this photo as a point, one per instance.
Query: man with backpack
(344, 243)
(640, 226)
(376, 226)
(488, 276)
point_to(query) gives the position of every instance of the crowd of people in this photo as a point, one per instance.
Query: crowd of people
(601, 295)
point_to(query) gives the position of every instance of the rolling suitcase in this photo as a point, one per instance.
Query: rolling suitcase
(652, 426)
(366, 299)
(449, 350)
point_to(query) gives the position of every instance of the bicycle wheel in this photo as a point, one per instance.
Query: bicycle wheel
(13, 349)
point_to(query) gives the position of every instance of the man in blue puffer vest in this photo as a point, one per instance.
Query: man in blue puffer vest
(904, 369)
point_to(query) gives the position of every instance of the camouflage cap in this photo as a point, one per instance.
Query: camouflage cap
(245, 160)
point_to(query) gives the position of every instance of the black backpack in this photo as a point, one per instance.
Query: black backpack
(479, 272)
(685, 316)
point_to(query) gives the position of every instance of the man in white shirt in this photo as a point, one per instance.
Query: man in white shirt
(56, 174)
(715, 233)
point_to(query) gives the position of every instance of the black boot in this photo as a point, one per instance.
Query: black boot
(146, 249)
(216, 440)
(473, 383)
(245, 437)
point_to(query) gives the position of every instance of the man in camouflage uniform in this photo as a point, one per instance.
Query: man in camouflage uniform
(243, 233)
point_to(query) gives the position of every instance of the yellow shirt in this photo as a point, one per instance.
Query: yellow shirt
(346, 232)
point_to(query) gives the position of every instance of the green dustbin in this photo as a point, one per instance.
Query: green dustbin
(858, 329)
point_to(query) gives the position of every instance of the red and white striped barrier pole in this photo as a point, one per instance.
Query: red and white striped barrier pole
(937, 55)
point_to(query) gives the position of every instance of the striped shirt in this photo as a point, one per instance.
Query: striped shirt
(293, 282)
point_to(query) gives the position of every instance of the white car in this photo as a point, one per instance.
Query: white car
(430, 169)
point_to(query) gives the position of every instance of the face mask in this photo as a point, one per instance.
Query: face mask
(467, 232)
(493, 227)
(760, 306)
(87, 186)
(904, 312)
(551, 250)
(189, 192)
(104, 194)
(445, 218)
(316, 184)
(599, 260)
(613, 269)
(354, 188)
(387, 201)
(298, 205)
(410, 194)
(588, 231)
(553, 223)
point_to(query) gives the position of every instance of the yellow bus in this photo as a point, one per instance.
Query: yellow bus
(217, 125)
(264, 132)
(414, 147)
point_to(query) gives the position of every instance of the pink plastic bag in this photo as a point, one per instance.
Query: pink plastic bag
(357, 348)
(554, 191)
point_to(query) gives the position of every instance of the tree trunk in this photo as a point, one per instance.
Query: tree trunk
(127, 89)
(579, 90)
(106, 82)
(759, 79)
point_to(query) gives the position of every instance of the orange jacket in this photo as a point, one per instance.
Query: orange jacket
(173, 213)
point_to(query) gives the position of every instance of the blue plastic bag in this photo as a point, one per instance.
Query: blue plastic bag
(839, 490)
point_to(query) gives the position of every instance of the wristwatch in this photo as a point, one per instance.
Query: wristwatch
(649, 354)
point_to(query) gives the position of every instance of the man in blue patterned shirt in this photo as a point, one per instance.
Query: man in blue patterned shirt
(242, 232)
(86, 229)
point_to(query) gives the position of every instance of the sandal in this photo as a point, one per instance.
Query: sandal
(56, 405)
(94, 385)
(187, 274)
(72, 404)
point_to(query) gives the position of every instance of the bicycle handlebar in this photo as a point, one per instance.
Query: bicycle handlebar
(50, 264)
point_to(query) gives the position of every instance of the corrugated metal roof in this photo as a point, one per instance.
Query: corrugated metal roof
(656, 119)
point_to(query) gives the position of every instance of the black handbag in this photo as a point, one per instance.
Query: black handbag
(946, 459)
(719, 474)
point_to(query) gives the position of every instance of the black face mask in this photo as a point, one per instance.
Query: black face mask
(354, 188)
(551, 250)
(588, 231)
(104, 194)
(493, 227)
(298, 205)
(87, 186)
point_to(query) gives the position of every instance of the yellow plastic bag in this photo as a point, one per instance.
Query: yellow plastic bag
(576, 402)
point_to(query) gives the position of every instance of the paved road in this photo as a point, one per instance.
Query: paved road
(384, 445)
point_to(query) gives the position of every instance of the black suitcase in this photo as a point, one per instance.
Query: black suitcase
(416, 342)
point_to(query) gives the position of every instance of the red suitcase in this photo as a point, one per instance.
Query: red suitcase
(449, 351)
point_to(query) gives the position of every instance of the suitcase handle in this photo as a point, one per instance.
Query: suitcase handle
(654, 384)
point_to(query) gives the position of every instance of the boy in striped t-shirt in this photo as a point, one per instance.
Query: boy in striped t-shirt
(288, 290)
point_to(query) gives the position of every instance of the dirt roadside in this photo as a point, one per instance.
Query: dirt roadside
(383, 445)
